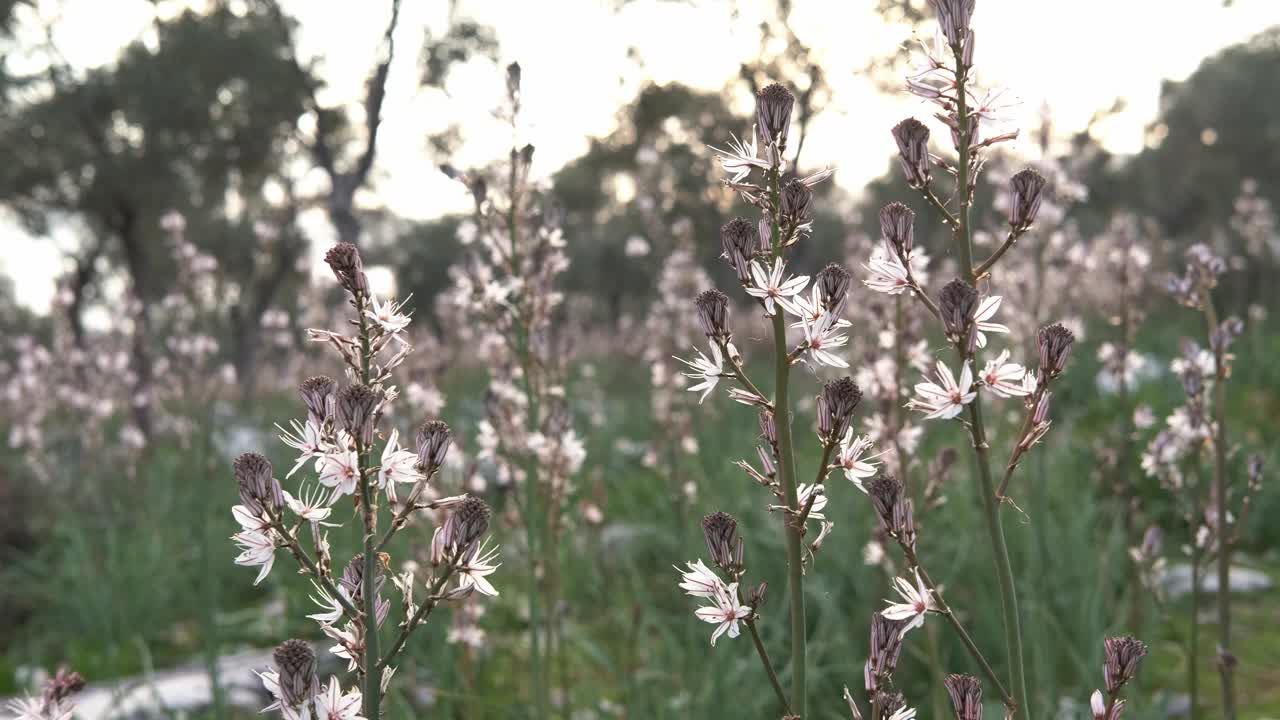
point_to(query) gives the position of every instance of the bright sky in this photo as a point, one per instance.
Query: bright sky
(1074, 57)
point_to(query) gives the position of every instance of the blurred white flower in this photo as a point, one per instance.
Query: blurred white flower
(820, 336)
(473, 571)
(708, 370)
(1007, 379)
(257, 548)
(982, 318)
(850, 458)
(388, 315)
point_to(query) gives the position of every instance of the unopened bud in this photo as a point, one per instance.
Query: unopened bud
(1055, 347)
(1121, 658)
(344, 260)
(796, 200)
(713, 314)
(259, 491)
(836, 404)
(738, 238)
(720, 530)
(833, 282)
(773, 113)
(317, 395)
(1027, 189)
(434, 439)
(354, 406)
(957, 303)
(897, 227)
(912, 137)
(295, 662)
(966, 696)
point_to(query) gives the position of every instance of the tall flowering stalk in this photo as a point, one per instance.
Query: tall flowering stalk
(506, 292)
(964, 308)
(336, 445)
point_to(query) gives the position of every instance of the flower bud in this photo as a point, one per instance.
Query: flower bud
(769, 427)
(1055, 347)
(966, 696)
(795, 200)
(833, 282)
(836, 404)
(720, 530)
(354, 407)
(894, 509)
(953, 18)
(1027, 189)
(957, 302)
(756, 597)
(897, 227)
(886, 644)
(259, 491)
(773, 113)
(713, 314)
(890, 702)
(317, 395)
(295, 662)
(464, 528)
(1122, 656)
(434, 439)
(912, 137)
(344, 260)
(738, 237)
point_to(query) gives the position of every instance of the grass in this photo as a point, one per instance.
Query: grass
(133, 573)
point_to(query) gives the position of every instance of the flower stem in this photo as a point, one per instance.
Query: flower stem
(433, 599)
(768, 667)
(372, 682)
(1225, 660)
(787, 473)
(990, 503)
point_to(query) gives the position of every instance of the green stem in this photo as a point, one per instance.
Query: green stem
(787, 474)
(768, 667)
(372, 681)
(1224, 531)
(1193, 642)
(990, 503)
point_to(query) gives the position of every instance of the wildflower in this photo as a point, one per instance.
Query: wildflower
(897, 227)
(344, 260)
(768, 285)
(1098, 705)
(259, 491)
(1122, 656)
(457, 537)
(333, 704)
(850, 458)
(804, 492)
(912, 137)
(836, 404)
(720, 530)
(982, 319)
(257, 548)
(699, 580)
(958, 302)
(340, 470)
(819, 337)
(739, 239)
(434, 439)
(473, 570)
(708, 370)
(953, 18)
(354, 410)
(296, 671)
(893, 507)
(795, 201)
(810, 309)
(317, 395)
(724, 612)
(1027, 189)
(966, 696)
(886, 647)
(398, 465)
(713, 314)
(747, 398)
(1055, 346)
(388, 315)
(946, 398)
(332, 607)
(54, 701)
(918, 603)
(740, 158)
(773, 113)
(903, 713)
(1006, 379)
(306, 439)
(249, 521)
(311, 506)
(888, 273)
(833, 285)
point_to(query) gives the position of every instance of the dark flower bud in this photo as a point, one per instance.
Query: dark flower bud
(897, 227)
(796, 200)
(836, 404)
(912, 137)
(1122, 656)
(886, 644)
(953, 18)
(720, 530)
(773, 113)
(738, 238)
(259, 491)
(317, 395)
(885, 492)
(756, 597)
(966, 696)
(352, 580)
(296, 665)
(957, 302)
(434, 439)
(768, 427)
(344, 260)
(354, 407)
(1027, 189)
(890, 702)
(1055, 347)
(833, 282)
(460, 533)
(713, 314)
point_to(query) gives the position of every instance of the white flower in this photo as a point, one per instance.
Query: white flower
(312, 506)
(332, 607)
(257, 548)
(388, 315)
(306, 439)
(333, 704)
(809, 309)
(398, 466)
(768, 284)
(1098, 704)
(945, 399)
(803, 492)
(472, 572)
(37, 708)
(740, 158)
(820, 336)
(850, 458)
(340, 470)
(903, 713)
(918, 603)
(347, 639)
(726, 612)
(699, 580)
(982, 318)
(888, 274)
(247, 520)
(708, 370)
(1007, 379)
